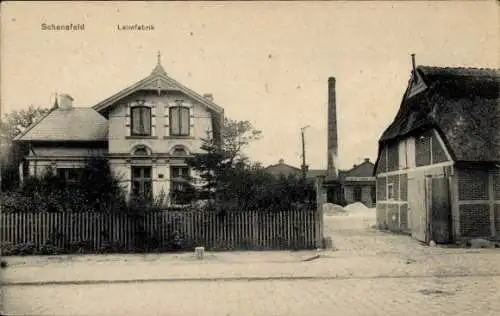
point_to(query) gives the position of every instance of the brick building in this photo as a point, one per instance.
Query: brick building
(437, 170)
(356, 184)
(282, 168)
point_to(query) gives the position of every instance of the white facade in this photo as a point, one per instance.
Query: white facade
(150, 129)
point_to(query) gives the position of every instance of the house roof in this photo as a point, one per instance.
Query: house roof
(362, 170)
(74, 124)
(158, 80)
(313, 173)
(462, 104)
(282, 168)
(365, 169)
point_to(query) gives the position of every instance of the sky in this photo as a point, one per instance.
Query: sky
(265, 62)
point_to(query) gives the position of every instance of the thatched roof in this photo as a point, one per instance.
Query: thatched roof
(463, 105)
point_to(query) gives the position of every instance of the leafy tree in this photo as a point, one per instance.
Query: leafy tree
(231, 182)
(236, 135)
(11, 154)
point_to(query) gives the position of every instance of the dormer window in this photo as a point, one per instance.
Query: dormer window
(179, 120)
(141, 120)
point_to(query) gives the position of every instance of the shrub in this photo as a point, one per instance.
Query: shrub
(7, 248)
(111, 247)
(24, 249)
(98, 190)
(49, 249)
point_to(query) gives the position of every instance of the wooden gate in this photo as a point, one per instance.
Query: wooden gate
(417, 207)
(439, 209)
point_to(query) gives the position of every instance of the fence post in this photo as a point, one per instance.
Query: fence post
(320, 200)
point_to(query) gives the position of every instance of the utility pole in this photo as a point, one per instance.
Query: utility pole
(304, 166)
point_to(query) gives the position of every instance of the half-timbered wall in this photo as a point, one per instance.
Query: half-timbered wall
(415, 156)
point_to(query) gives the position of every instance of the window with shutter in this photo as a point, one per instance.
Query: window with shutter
(141, 121)
(179, 120)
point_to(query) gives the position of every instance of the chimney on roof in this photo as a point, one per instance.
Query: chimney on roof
(332, 171)
(65, 101)
(413, 62)
(367, 159)
(209, 97)
(281, 161)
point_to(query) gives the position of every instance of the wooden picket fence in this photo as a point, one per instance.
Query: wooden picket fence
(249, 230)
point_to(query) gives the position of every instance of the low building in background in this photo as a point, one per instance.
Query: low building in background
(282, 168)
(356, 184)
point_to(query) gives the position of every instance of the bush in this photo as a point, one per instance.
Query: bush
(98, 190)
(49, 249)
(23, 249)
(7, 248)
(111, 247)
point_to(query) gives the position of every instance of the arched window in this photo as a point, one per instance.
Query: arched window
(179, 120)
(141, 151)
(141, 120)
(179, 151)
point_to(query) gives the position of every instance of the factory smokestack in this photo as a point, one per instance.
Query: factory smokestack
(332, 172)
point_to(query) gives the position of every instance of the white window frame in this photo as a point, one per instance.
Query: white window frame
(390, 191)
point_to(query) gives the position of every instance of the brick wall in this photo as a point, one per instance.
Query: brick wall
(403, 217)
(496, 183)
(381, 188)
(472, 184)
(474, 220)
(395, 184)
(393, 216)
(403, 187)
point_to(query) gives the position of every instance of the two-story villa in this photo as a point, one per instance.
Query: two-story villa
(146, 131)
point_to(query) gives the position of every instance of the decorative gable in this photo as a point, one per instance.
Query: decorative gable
(417, 84)
(159, 84)
(158, 80)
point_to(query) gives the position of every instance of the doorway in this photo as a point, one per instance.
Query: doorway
(357, 193)
(439, 210)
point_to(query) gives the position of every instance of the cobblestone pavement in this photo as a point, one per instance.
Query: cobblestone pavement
(356, 297)
(370, 273)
